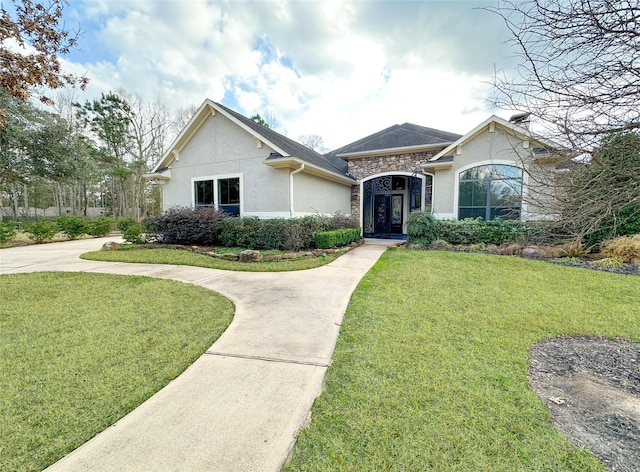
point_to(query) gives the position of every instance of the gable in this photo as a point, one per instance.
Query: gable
(283, 151)
(496, 138)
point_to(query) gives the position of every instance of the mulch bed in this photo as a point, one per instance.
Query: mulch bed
(626, 269)
(592, 388)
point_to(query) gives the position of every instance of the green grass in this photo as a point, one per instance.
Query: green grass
(188, 258)
(79, 351)
(429, 372)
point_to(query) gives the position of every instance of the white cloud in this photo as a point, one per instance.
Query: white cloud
(335, 68)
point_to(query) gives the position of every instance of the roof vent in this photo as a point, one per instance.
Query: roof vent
(521, 119)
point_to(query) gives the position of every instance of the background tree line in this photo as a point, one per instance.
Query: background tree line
(76, 156)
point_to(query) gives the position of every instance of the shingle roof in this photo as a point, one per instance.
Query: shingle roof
(397, 136)
(291, 147)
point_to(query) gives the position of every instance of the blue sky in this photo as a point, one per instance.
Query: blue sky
(339, 69)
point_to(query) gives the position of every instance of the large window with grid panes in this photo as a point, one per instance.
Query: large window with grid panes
(222, 193)
(490, 192)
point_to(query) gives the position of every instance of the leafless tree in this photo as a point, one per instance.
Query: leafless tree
(313, 141)
(182, 116)
(579, 78)
(150, 131)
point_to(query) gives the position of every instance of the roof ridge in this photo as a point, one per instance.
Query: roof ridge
(291, 146)
(392, 137)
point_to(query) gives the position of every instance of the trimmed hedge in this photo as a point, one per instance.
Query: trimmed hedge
(239, 232)
(339, 237)
(208, 227)
(478, 231)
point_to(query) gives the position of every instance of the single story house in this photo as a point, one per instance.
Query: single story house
(226, 160)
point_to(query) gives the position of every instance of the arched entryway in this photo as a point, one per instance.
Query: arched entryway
(387, 199)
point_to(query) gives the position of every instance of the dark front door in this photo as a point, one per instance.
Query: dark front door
(388, 214)
(396, 213)
(381, 211)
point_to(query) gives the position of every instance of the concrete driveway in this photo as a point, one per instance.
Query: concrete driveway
(240, 405)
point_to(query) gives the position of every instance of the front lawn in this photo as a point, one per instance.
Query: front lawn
(430, 369)
(79, 351)
(188, 258)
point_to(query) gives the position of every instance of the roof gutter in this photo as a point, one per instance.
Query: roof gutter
(289, 162)
(299, 169)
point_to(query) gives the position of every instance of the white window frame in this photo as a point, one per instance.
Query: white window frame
(216, 196)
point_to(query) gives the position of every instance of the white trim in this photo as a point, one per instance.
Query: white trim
(207, 109)
(294, 163)
(516, 130)
(524, 206)
(444, 216)
(433, 186)
(396, 150)
(456, 181)
(215, 179)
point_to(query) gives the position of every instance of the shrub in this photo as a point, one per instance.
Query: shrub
(293, 237)
(41, 230)
(208, 227)
(573, 250)
(545, 233)
(340, 221)
(72, 226)
(312, 224)
(477, 231)
(339, 237)
(187, 226)
(123, 222)
(624, 223)
(271, 234)
(326, 240)
(133, 233)
(421, 228)
(239, 232)
(623, 248)
(100, 226)
(7, 231)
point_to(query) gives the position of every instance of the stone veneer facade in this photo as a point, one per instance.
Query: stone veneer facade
(364, 167)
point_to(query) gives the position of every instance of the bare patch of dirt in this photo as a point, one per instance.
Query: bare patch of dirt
(592, 387)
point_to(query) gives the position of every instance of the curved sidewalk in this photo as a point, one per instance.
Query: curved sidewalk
(241, 404)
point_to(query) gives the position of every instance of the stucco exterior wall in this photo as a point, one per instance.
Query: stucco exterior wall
(315, 195)
(220, 148)
(538, 199)
(496, 147)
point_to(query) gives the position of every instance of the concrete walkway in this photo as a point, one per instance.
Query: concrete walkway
(240, 405)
